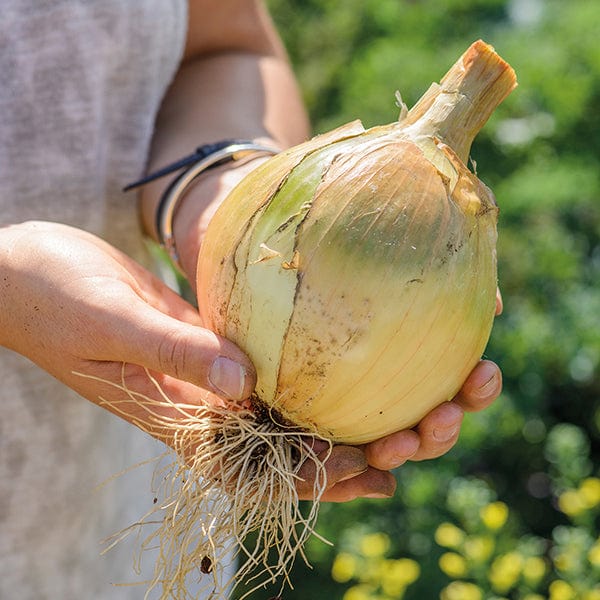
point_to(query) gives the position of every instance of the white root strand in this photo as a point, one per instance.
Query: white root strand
(228, 475)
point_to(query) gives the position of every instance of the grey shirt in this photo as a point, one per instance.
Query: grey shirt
(80, 84)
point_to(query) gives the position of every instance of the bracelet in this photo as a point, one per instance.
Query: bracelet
(206, 157)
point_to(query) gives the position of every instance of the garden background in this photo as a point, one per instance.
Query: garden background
(513, 510)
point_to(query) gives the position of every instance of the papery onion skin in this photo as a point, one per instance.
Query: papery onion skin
(358, 272)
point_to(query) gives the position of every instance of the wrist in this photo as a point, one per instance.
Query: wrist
(198, 205)
(231, 159)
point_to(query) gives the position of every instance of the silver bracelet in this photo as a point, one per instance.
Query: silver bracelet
(170, 200)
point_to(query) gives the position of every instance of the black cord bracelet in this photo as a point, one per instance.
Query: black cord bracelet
(201, 152)
(206, 157)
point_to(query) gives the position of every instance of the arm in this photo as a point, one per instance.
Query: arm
(235, 82)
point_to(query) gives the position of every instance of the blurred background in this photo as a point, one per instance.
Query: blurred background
(513, 510)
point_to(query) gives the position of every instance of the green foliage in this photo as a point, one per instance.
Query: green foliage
(533, 457)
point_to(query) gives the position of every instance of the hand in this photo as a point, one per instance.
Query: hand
(73, 303)
(354, 472)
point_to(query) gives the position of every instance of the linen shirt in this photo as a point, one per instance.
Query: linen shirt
(81, 82)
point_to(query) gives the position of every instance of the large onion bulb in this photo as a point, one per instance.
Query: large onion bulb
(358, 270)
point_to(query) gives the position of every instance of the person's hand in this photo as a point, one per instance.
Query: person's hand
(74, 304)
(354, 472)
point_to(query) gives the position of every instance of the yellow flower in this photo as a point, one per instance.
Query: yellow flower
(594, 554)
(479, 548)
(392, 590)
(344, 567)
(494, 515)
(461, 590)
(449, 535)
(453, 564)
(397, 574)
(592, 594)
(358, 592)
(373, 545)
(401, 570)
(534, 569)
(571, 503)
(505, 571)
(590, 491)
(561, 590)
(567, 561)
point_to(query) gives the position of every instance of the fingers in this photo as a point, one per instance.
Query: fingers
(481, 388)
(342, 463)
(147, 337)
(348, 476)
(393, 450)
(438, 431)
(156, 293)
(373, 483)
(499, 303)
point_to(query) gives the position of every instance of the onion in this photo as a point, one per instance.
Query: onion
(358, 272)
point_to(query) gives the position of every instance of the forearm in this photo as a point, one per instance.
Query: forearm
(237, 94)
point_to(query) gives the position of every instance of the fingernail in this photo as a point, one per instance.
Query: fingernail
(228, 378)
(378, 495)
(488, 387)
(445, 435)
(352, 475)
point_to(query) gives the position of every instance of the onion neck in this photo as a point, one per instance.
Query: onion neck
(457, 108)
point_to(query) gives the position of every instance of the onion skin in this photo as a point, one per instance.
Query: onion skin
(358, 270)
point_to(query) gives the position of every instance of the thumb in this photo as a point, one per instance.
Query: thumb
(187, 352)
